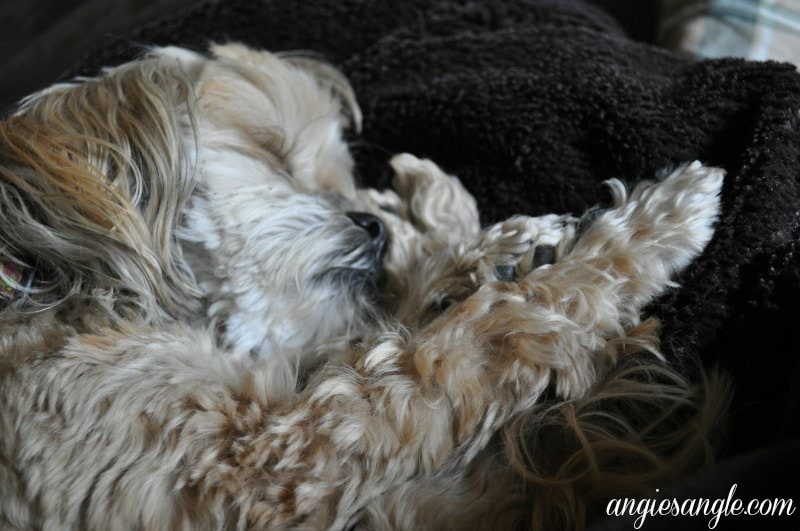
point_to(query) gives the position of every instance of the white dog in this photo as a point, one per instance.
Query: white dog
(197, 335)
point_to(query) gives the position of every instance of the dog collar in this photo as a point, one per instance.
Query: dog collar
(10, 279)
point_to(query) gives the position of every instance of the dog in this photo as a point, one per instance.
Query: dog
(207, 324)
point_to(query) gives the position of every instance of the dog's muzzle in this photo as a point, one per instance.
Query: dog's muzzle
(366, 273)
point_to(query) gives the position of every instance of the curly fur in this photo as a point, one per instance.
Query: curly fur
(203, 344)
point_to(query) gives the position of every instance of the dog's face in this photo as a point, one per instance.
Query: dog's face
(218, 191)
(287, 263)
(284, 270)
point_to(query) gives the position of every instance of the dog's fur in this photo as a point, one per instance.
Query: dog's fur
(200, 342)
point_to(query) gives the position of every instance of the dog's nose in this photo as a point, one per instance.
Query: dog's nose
(374, 227)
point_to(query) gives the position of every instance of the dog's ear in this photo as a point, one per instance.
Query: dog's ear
(334, 80)
(437, 203)
(289, 106)
(327, 76)
(92, 179)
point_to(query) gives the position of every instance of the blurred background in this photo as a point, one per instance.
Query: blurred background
(41, 39)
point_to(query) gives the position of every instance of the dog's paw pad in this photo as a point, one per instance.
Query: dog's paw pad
(544, 255)
(506, 272)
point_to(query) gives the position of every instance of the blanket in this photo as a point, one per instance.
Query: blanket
(533, 103)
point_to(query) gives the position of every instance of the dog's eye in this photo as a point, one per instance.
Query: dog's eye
(505, 272)
(440, 304)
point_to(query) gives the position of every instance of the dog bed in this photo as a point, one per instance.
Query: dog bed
(533, 104)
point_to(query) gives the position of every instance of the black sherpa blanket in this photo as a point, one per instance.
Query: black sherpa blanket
(534, 103)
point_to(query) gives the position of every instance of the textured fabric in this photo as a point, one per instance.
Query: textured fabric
(533, 104)
(754, 29)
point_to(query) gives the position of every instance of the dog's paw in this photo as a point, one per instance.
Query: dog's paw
(521, 244)
(683, 209)
(671, 220)
(438, 203)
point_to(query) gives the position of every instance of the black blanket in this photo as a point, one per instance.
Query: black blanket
(534, 103)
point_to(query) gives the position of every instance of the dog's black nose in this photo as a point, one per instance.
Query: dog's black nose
(374, 227)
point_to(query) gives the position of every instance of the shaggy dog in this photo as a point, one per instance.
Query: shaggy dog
(204, 326)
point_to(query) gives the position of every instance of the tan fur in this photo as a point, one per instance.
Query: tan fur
(184, 218)
(556, 465)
